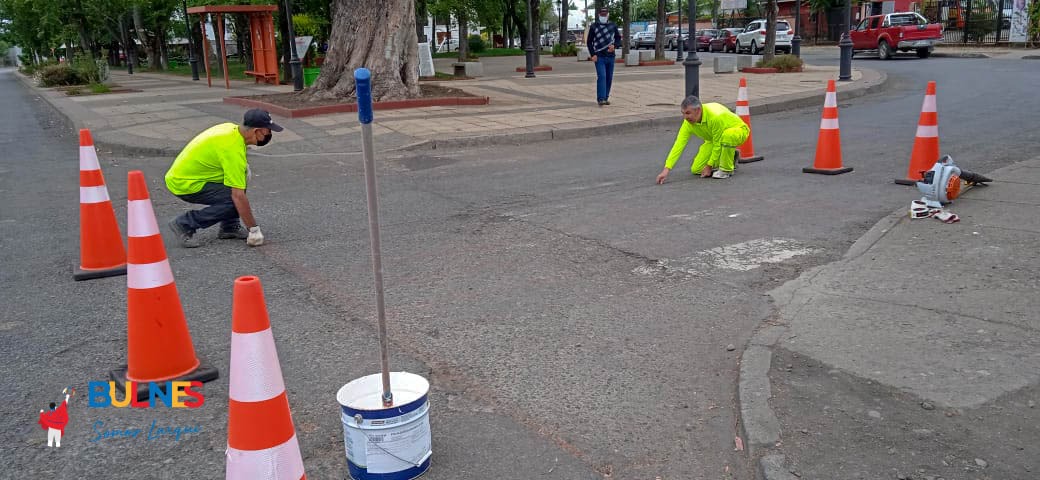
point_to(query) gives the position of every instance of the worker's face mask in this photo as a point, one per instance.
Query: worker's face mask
(265, 140)
(603, 19)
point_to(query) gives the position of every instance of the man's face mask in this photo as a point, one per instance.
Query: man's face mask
(602, 19)
(265, 140)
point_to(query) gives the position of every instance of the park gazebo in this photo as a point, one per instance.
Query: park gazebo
(261, 34)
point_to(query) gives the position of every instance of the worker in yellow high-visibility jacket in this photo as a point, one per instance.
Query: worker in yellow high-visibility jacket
(722, 131)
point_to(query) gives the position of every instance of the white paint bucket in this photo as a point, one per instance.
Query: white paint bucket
(386, 443)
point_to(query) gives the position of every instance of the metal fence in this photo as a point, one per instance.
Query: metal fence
(970, 21)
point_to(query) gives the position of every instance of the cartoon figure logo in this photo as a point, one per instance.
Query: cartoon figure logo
(55, 419)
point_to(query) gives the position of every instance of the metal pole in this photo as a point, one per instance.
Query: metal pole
(845, 68)
(796, 42)
(530, 40)
(692, 62)
(194, 62)
(678, 38)
(294, 59)
(363, 85)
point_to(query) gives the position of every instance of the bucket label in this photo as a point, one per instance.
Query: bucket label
(388, 445)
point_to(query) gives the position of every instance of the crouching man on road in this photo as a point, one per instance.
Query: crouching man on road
(722, 131)
(212, 170)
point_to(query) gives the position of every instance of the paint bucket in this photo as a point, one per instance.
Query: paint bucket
(386, 443)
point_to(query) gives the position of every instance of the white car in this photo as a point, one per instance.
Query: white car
(753, 38)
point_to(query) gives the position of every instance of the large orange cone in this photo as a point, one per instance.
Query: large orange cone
(101, 251)
(747, 150)
(262, 442)
(159, 347)
(828, 145)
(926, 143)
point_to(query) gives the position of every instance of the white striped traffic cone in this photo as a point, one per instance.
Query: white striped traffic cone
(926, 141)
(262, 443)
(159, 346)
(828, 144)
(101, 250)
(747, 150)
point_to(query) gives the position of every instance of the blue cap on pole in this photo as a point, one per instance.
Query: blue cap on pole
(363, 84)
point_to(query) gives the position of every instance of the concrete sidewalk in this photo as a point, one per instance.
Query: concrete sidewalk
(914, 355)
(166, 111)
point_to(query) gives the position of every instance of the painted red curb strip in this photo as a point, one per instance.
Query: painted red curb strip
(352, 107)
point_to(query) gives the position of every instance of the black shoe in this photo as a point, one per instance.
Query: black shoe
(601, 102)
(606, 102)
(233, 232)
(183, 235)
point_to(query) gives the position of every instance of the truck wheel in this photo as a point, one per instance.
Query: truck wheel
(924, 52)
(884, 51)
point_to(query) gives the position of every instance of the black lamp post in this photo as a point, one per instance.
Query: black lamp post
(191, 46)
(294, 59)
(692, 62)
(796, 42)
(845, 68)
(530, 39)
(678, 53)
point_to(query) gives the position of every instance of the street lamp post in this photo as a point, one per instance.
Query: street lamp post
(845, 68)
(191, 46)
(796, 42)
(692, 62)
(678, 38)
(530, 40)
(294, 58)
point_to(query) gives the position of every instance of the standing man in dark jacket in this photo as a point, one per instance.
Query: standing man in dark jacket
(604, 38)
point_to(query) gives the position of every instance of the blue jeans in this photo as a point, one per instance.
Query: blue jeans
(220, 208)
(604, 76)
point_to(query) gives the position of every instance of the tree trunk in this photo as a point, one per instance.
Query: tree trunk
(626, 30)
(536, 30)
(563, 23)
(770, 31)
(521, 26)
(463, 17)
(383, 40)
(143, 37)
(286, 47)
(661, 26)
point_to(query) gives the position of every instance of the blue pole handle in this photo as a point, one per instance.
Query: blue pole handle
(363, 84)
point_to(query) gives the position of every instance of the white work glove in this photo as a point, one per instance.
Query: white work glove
(256, 238)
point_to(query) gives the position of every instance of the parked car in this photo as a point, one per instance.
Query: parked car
(671, 39)
(725, 41)
(903, 31)
(753, 38)
(645, 39)
(704, 39)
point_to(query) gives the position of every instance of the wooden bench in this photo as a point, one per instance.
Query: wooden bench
(268, 77)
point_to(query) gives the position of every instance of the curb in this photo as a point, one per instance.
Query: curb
(959, 55)
(353, 107)
(790, 102)
(758, 422)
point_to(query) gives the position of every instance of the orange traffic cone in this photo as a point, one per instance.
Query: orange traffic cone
(159, 347)
(101, 251)
(262, 442)
(828, 145)
(926, 143)
(747, 150)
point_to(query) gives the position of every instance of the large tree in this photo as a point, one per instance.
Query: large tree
(771, 11)
(662, 24)
(381, 39)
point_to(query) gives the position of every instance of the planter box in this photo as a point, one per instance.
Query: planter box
(725, 64)
(583, 54)
(745, 61)
(468, 69)
(632, 60)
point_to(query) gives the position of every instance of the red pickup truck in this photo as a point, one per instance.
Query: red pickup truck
(903, 31)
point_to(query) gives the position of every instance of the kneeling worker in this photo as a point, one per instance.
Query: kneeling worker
(722, 131)
(212, 170)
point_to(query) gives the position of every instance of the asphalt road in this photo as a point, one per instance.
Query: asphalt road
(572, 317)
